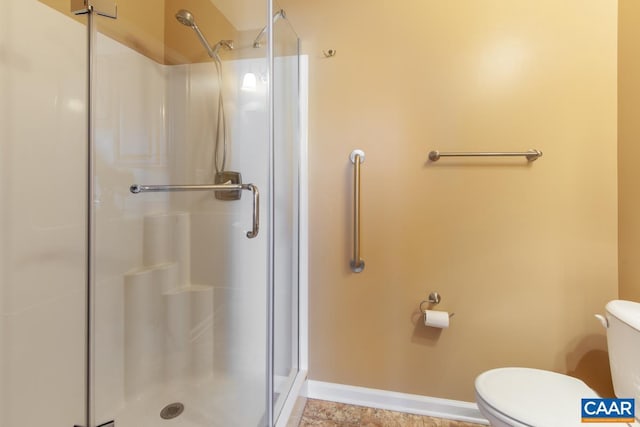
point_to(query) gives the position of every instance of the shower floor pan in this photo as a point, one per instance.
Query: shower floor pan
(212, 403)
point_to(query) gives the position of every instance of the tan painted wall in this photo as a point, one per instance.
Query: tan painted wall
(523, 254)
(629, 148)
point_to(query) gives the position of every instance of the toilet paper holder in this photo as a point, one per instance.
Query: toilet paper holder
(434, 298)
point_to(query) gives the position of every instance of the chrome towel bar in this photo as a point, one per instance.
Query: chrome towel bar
(531, 154)
(136, 188)
(357, 263)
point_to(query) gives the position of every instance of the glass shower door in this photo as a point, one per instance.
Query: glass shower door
(42, 215)
(181, 278)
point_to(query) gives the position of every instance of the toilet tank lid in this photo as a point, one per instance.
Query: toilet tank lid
(625, 311)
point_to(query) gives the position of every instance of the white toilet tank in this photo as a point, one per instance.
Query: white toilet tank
(623, 341)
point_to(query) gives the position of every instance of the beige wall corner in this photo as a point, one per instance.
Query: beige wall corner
(525, 254)
(629, 148)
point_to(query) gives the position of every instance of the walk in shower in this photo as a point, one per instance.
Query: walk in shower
(149, 213)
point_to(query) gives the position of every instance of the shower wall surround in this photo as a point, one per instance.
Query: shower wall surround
(168, 321)
(180, 272)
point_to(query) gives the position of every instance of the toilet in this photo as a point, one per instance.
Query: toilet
(525, 397)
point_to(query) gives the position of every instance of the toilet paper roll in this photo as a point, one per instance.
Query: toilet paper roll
(436, 319)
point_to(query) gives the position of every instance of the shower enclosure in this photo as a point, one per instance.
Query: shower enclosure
(149, 213)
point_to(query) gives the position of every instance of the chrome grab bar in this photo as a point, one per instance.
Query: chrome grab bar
(531, 154)
(357, 263)
(137, 188)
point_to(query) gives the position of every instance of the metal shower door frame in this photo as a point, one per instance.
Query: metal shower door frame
(107, 9)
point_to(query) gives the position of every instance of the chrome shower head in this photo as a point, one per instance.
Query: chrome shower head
(185, 18)
(278, 15)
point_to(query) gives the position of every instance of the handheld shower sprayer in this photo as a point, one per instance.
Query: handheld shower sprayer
(186, 18)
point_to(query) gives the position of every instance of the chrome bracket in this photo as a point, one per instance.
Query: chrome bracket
(228, 177)
(434, 298)
(106, 8)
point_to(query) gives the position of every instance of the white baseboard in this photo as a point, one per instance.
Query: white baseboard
(394, 401)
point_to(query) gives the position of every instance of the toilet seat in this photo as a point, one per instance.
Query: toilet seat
(495, 417)
(531, 397)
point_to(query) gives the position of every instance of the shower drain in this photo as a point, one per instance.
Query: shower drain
(171, 411)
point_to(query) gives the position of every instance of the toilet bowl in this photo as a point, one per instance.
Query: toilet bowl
(525, 397)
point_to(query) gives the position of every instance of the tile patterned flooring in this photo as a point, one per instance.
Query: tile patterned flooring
(320, 413)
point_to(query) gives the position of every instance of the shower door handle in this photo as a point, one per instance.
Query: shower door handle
(137, 188)
(256, 210)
